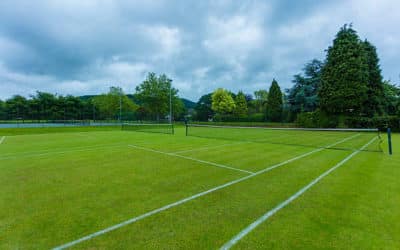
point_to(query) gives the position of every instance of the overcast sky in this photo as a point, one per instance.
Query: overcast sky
(82, 47)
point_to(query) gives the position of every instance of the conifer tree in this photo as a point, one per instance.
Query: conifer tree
(345, 75)
(274, 103)
(374, 102)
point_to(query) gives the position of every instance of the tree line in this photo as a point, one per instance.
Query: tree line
(149, 102)
(347, 85)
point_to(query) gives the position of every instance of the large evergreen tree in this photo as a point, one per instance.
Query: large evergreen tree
(302, 97)
(274, 103)
(345, 76)
(375, 92)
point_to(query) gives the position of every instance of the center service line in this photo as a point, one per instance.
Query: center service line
(171, 205)
(192, 159)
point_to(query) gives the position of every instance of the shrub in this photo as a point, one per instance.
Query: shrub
(382, 123)
(316, 119)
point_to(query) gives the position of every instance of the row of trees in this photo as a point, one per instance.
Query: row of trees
(225, 105)
(348, 83)
(151, 101)
(45, 106)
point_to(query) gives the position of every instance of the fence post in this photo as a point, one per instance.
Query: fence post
(389, 132)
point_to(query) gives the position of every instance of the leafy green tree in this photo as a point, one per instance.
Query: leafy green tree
(108, 104)
(2, 110)
(222, 102)
(203, 108)
(375, 92)
(344, 77)
(260, 101)
(303, 97)
(17, 107)
(72, 107)
(154, 94)
(240, 105)
(274, 103)
(391, 98)
(44, 105)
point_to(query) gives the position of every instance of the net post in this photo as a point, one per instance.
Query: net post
(389, 133)
(173, 130)
(186, 128)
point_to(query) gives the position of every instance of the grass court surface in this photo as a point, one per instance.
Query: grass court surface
(103, 188)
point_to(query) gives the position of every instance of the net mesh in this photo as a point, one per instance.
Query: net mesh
(352, 139)
(149, 128)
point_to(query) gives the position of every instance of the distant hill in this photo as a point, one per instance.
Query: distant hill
(86, 97)
(188, 103)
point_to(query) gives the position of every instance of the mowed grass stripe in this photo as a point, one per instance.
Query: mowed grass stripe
(2, 139)
(156, 211)
(208, 147)
(271, 212)
(43, 143)
(55, 152)
(40, 143)
(72, 194)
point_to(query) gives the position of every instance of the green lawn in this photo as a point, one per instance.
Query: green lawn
(196, 192)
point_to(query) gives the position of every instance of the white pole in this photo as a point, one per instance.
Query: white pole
(170, 103)
(120, 105)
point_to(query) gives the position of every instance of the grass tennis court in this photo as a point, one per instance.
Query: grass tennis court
(107, 188)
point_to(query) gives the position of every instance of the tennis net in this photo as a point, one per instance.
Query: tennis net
(149, 128)
(353, 139)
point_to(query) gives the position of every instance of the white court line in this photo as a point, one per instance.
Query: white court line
(210, 147)
(192, 159)
(271, 212)
(2, 139)
(177, 203)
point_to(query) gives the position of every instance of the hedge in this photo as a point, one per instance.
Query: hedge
(319, 120)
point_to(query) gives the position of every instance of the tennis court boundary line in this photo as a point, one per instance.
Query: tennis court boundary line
(177, 203)
(190, 158)
(2, 139)
(283, 204)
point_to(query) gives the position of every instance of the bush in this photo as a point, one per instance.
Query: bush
(257, 117)
(316, 119)
(382, 123)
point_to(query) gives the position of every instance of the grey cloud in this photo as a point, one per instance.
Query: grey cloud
(82, 47)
